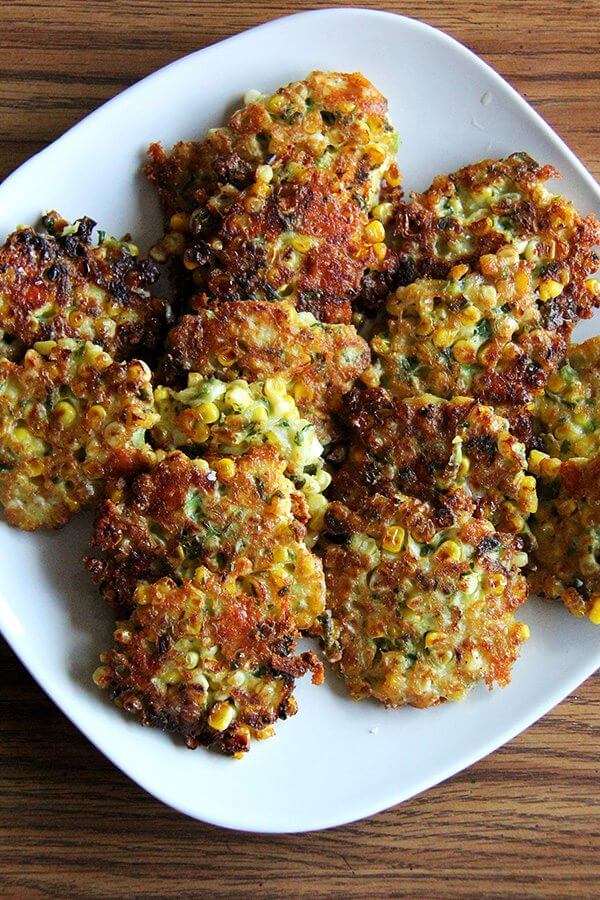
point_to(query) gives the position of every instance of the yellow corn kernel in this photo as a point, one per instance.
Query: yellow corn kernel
(469, 583)
(374, 232)
(301, 242)
(227, 358)
(496, 583)
(225, 469)
(275, 388)
(449, 552)
(383, 212)
(488, 264)
(263, 734)
(208, 412)
(536, 457)
(376, 155)
(113, 434)
(488, 296)
(528, 495)
(434, 639)
(521, 282)
(259, 415)
(550, 289)
(44, 348)
(524, 632)
(102, 676)
(179, 222)
(443, 337)
(556, 384)
(238, 396)
(303, 393)
(35, 468)
(276, 104)
(470, 315)
(253, 204)
(566, 432)
(594, 613)
(464, 352)
(317, 503)
(173, 243)
(393, 176)
(201, 574)
(96, 414)
(280, 555)
(264, 174)
(65, 412)
(393, 538)
(508, 254)
(380, 251)
(221, 716)
(457, 272)
(592, 285)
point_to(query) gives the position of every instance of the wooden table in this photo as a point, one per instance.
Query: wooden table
(525, 821)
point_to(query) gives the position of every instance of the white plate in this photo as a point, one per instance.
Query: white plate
(336, 761)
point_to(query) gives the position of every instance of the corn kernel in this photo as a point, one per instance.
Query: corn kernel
(376, 155)
(449, 551)
(221, 716)
(276, 104)
(536, 458)
(208, 412)
(44, 348)
(443, 337)
(488, 264)
(393, 538)
(173, 243)
(496, 583)
(274, 388)
(225, 469)
(303, 393)
(434, 638)
(374, 232)
(66, 413)
(592, 285)
(594, 613)
(383, 212)
(301, 242)
(524, 632)
(550, 289)
(280, 555)
(464, 352)
(380, 251)
(227, 358)
(457, 272)
(179, 222)
(556, 384)
(470, 315)
(521, 282)
(508, 254)
(259, 415)
(264, 174)
(393, 176)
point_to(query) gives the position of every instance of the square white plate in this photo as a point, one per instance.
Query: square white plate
(336, 761)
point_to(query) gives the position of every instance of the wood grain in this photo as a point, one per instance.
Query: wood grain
(523, 823)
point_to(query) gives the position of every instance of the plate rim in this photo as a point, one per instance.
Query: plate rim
(325, 819)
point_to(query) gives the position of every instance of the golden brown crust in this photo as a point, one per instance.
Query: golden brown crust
(238, 519)
(55, 284)
(417, 615)
(458, 456)
(481, 207)
(69, 420)
(276, 204)
(482, 333)
(212, 661)
(256, 341)
(566, 563)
